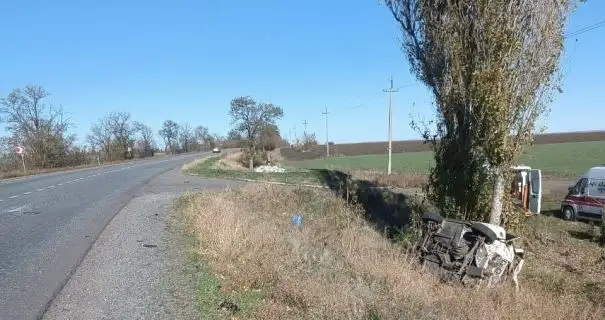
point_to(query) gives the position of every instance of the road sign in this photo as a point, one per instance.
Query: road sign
(19, 150)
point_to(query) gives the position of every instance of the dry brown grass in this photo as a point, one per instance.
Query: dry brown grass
(231, 161)
(396, 179)
(336, 266)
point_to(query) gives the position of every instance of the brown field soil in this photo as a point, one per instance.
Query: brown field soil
(380, 147)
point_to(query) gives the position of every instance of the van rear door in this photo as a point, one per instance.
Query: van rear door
(535, 181)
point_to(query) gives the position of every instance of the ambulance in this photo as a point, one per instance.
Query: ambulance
(526, 189)
(586, 199)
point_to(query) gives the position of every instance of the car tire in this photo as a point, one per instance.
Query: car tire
(569, 214)
(432, 216)
(485, 231)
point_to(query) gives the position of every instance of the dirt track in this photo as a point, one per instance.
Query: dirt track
(555, 188)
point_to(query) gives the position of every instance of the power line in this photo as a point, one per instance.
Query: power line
(586, 29)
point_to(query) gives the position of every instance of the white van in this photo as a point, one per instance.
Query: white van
(586, 199)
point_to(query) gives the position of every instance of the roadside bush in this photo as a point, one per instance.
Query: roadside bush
(259, 158)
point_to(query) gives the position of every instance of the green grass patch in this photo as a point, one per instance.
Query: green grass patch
(209, 169)
(210, 296)
(566, 159)
(401, 162)
(561, 160)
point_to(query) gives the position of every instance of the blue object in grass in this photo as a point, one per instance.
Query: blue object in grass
(297, 221)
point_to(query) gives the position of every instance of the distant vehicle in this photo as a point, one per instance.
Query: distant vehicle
(526, 188)
(586, 199)
(216, 150)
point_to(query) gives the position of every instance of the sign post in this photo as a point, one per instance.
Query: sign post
(21, 151)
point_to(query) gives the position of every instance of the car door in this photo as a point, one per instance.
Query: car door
(582, 197)
(535, 180)
(592, 206)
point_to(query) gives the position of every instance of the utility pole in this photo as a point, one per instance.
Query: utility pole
(390, 91)
(305, 124)
(327, 137)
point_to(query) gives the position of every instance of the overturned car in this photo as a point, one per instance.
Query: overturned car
(472, 253)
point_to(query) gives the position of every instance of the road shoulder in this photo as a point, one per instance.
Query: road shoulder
(138, 268)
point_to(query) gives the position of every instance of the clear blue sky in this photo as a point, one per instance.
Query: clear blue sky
(185, 61)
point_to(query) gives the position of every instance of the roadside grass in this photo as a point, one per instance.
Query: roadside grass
(338, 265)
(564, 160)
(563, 257)
(212, 300)
(212, 168)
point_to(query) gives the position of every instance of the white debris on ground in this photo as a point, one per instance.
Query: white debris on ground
(269, 169)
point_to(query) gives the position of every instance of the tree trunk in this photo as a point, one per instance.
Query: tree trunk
(251, 166)
(495, 216)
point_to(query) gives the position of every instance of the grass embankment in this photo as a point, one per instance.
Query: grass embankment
(337, 266)
(564, 160)
(212, 168)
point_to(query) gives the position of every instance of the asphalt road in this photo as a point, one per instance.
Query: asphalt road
(49, 222)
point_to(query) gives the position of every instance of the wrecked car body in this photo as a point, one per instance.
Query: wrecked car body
(472, 253)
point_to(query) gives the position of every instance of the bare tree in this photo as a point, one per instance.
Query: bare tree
(234, 135)
(250, 119)
(492, 68)
(186, 137)
(113, 134)
(145, 141)
(40, 128)
(308, 141)
(170, 134)
(122, 129)
(201, 134)
(100, 136)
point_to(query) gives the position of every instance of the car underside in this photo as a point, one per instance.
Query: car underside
(468, 252)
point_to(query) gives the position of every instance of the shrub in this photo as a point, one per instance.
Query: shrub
(259, 157)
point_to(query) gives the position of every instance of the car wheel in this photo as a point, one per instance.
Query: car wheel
(569, 214)
(485, 231)
(432, 216)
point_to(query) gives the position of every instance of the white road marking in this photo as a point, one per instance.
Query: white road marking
(94, 175)
(18, 209)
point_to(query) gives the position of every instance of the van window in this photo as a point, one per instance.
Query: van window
(579, 187)
(534, 180)
(596, 187)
